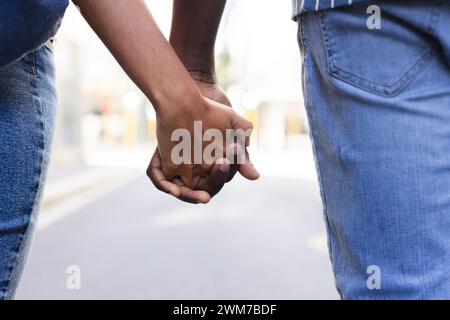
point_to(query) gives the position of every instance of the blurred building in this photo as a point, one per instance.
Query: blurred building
(258, 64)
(266, 69)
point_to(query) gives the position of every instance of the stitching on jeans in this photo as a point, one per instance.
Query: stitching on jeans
(34, 67)
(303, 39)
(38, 171)
(435, 15)
(389, 90)
(301, 36)
(322, 191)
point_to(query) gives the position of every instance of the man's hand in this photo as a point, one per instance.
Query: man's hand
(207, 84)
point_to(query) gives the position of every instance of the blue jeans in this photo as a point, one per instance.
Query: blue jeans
(378, 103)
(27, 121)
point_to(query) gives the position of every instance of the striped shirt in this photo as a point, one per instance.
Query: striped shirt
(301, 6)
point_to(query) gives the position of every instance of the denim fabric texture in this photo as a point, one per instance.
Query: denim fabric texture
(26, 25)
(378, 103)
(27, 121)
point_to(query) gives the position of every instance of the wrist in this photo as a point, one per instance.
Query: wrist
(202, 76)
(199, 58)
(197, 62)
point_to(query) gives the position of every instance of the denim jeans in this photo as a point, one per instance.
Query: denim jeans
(378, 103)
(27, 121)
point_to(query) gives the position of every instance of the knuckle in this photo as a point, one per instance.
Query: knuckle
(148, 172)
(249, 125)
(169, 172)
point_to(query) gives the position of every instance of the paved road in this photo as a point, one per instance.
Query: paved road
(260, 240)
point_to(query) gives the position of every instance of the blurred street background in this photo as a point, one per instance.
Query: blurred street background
(256, 240)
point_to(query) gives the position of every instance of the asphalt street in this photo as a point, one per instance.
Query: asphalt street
(256, 240)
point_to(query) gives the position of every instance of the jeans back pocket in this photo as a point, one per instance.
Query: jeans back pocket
(381, 61)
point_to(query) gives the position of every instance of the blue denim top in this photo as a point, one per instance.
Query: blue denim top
(25, 25)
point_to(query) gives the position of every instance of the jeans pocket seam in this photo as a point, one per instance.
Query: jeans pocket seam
(389, 90)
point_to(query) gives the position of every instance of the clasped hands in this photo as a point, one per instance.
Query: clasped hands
(196, 182)
(181, 99)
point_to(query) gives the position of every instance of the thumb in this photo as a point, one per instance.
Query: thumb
(239, 122)
(247, 170)
(242, 132)
(238, 154)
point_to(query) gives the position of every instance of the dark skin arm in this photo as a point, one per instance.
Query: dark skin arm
(193, 35)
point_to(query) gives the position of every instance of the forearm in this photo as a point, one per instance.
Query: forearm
(194, 28)
(129, 31)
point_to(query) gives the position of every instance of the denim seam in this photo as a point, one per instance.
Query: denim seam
(6, 292)
(387, 91)
(435, 15)
(34, 67)
(314, 147)
(301, 38)
(390, 90)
